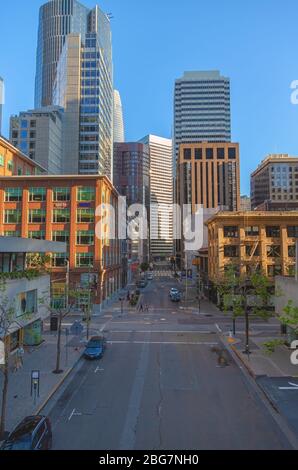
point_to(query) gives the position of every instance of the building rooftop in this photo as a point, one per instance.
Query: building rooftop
(275, 158)
(271, 215)
(6, 143)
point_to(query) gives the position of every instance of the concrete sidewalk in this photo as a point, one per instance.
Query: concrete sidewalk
(260, 362)
(20, 403)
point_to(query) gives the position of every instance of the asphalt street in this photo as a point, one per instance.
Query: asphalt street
(159, 387)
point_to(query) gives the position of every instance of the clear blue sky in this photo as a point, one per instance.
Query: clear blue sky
(255, 43)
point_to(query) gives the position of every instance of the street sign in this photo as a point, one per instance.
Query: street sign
(77, 328)
(2, 353)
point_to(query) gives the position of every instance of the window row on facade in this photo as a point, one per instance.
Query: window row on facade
(38, 216)
(272, 231)
(84, 194)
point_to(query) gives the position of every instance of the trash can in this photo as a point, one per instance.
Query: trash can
(54, 323)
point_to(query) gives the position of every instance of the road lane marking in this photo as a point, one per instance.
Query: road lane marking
(293, 387)
(73, 413)
(218, 328)
(128, 437)
(98, 370)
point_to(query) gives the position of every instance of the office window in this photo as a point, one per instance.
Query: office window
(273, 251)
(85, 216)
(187, 154)
(198, 154)
(209, 153)
(12, 233)
(274, 270)
(61, 194)
(273, 231)
(84, 260)
(13, 194)
(37, 216)
(61, 215)
(37, 194)
(37, 234)
(232, 153)
(252, 231)
(86, 194)
(59, 260)
(24, 123)
(231, 231)
(251, 250)
(85, 237)
(292, 251)
(2, 160)
(60, 236)
(231, 251)
(292, 231)
(27, 303)
(221, 153)
(12, 216)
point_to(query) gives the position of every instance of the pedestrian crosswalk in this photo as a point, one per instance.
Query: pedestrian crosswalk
(162, 273)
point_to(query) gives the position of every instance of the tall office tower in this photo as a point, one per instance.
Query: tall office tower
(207, 176)
(161, 197)
(38, 134)
(81, 77)
(274, 184)
(119, 135)
(1, 101)
(201, 110)
(57, 19)
(131, 179)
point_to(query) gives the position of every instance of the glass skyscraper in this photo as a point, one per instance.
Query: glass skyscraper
(57, 19)
(79, 78)
(201, 109)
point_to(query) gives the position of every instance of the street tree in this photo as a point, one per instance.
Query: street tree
(60, 308)
(245, 295)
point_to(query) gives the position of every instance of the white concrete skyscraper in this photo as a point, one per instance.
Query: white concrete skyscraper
(161, 196)
(119, 134)
(201, 109)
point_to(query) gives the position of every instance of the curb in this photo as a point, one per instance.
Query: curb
(247, 366)
(56, 387)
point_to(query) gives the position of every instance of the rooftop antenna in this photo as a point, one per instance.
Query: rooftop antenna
(110, 16)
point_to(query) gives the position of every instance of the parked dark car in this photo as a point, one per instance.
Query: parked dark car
(33, 433)
(95, 348)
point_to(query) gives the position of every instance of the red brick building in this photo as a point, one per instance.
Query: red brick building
(62, 208)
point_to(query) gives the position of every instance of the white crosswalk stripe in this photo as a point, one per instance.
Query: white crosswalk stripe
(163, 273)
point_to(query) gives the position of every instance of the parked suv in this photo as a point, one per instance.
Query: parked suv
(33, 433)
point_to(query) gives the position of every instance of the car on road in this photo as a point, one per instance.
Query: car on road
(142, 283)
(95, 348)
(33, 433)
(150, 276)
(174, 290)
(175, 295)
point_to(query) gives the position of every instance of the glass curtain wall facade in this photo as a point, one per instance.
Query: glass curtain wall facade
(82, 84)
(201, 110)
(57, 19)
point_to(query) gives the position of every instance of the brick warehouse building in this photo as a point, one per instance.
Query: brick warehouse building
(62, 208)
